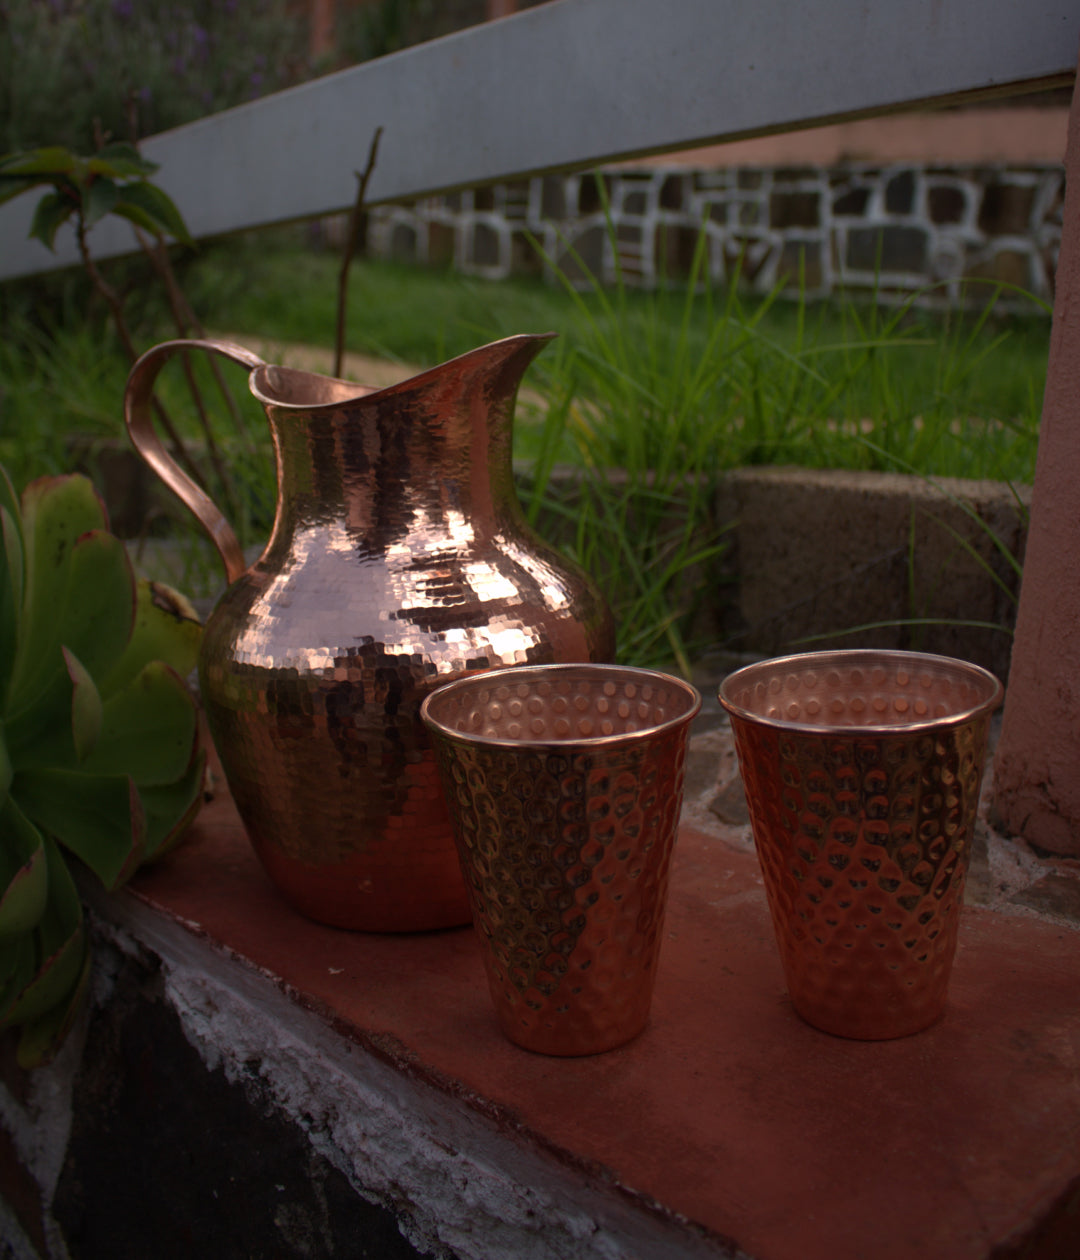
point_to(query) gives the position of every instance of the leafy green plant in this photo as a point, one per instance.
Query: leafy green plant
(67, 64)
(115, 180)
(100, 753)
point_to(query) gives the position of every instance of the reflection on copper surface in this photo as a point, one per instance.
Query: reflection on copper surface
(565, 784)
(862, 772)
(399, 559)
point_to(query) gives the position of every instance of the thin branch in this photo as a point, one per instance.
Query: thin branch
(116, 309)
(159, 260)
(356, 221)
(188, 324)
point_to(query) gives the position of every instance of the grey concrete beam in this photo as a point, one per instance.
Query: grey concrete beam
(573, 83)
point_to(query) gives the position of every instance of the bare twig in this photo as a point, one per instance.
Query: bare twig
(183, 318)
(188, 323)
(356, 222)
(116, 309)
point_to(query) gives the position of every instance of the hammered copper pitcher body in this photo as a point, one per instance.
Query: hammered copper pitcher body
(399, 560)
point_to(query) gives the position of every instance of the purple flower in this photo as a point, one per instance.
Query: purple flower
(198, 33)
(123, 9)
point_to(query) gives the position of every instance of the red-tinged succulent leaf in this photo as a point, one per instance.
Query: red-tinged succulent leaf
(41, 734)
(24, 873)
(59, 948)
(18, 965)
(172, 808)
(56, 512)
(167, 629)
(50, 214)
(100, 820)
(55, 977)
(11, 594)
(8, 498)
(40, 1039)
(86, 707)
(97, 615)
(148, 729)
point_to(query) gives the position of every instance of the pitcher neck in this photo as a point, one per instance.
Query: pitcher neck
(437, 446)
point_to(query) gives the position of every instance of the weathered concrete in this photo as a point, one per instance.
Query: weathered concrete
(1038, 795)
(253, 1085)
(818, 555)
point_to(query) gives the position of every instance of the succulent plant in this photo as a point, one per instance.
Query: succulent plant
(100, 752)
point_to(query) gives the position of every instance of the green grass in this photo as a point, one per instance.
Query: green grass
(670, 386)
(773, 381)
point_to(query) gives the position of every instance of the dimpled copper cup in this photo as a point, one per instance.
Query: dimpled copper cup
(564, 784)
(862, 772)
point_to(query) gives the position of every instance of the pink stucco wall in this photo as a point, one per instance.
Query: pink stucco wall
(1008, 134)
(1037, 772)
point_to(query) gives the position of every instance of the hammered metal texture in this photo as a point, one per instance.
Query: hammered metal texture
(565, 785)
(399, 559)
(862, 772)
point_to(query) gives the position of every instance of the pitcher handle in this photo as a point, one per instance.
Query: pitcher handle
(137, 396)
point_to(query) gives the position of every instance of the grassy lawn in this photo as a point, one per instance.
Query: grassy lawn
(671, 386)
(829, 384)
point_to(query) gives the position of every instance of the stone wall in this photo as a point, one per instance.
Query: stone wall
(856, 228)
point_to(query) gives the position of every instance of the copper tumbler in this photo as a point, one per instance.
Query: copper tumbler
(862, 772)
(564, 784)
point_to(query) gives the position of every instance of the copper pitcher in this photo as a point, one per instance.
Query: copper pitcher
(399, 560)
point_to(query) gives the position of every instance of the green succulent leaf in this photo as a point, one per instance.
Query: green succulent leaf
(59, 947)
(102, 196)
(41, 1038)
(171, 808)
(148, 729)
(167, 629)
(18, 966)
(99, 736)
(150, 207)
(42, 735)
(97, 615)
(23, 873)
(8, 498)
(100, 820)
(52, 211)
(56, 512)
(86, 707)
(11, 594)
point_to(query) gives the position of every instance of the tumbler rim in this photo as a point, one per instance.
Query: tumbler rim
(879, 656)
(511, 673)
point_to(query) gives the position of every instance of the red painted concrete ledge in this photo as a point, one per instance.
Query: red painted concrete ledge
(729, 1115)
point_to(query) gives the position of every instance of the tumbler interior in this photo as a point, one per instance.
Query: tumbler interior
(860, 688)
(560, 704)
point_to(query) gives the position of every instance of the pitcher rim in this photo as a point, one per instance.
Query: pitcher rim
(368, 393)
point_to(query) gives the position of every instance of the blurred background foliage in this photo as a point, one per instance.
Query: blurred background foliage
(72, 69)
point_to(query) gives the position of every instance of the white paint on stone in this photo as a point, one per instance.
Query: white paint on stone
(459, 1183)
(741, 212)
